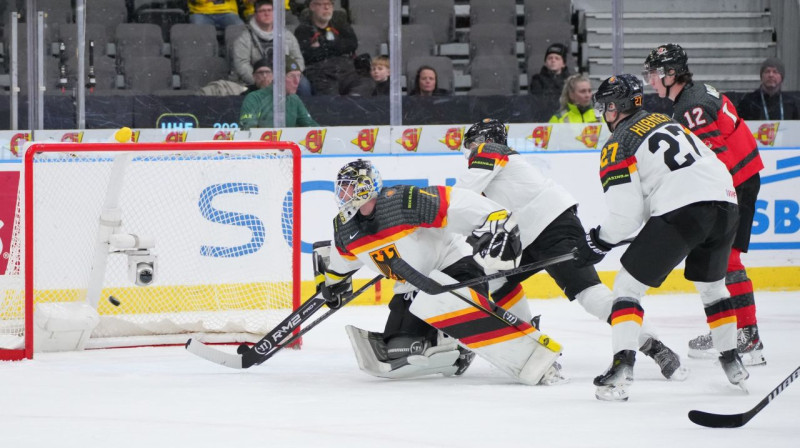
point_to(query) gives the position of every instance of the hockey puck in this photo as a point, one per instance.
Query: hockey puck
(114, 301)
(242, 349)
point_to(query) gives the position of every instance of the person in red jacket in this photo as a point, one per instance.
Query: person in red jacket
(711, 116)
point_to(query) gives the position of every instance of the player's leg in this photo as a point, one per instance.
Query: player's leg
(584, 286)
(706, 265)
(655, 251)
(739, 286)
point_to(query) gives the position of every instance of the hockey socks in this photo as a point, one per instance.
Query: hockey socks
(741, 291)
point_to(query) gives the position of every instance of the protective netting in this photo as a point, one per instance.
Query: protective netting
(222, 227)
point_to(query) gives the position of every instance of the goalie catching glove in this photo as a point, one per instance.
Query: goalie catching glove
(496, 245)
(333, 286)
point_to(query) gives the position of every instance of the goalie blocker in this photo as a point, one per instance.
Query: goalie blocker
(503, 340)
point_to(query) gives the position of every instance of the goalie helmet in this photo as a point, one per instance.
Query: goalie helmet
(665, 58)
(356, 183)
(486, 130)
(621, 93)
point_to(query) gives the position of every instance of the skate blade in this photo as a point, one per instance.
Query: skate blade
(680, 374)
(753, 359)
(554, 381)
(703, 354)
(612, 393)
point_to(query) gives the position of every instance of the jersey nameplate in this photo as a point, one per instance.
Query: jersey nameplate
(646, 124)
(483, 163)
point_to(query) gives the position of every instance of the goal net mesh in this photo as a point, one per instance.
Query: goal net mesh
(221, 225)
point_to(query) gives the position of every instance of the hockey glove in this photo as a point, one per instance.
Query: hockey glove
(334, 287)
(592, 249)
(496, 245)
(334, 293)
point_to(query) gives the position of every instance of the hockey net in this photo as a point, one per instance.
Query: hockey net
(193, 240)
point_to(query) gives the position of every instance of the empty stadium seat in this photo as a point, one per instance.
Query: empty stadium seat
(494, 11)
(438, 14)
(188, 39)
(495, 74)
(417, 41)
(490, 39)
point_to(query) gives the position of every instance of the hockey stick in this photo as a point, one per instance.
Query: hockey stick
(711, 420)
(270, 343)
(430, 286)
(424, 283)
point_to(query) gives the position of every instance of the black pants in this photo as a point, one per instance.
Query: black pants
(702, 233)
(558, 238)
(747, 194)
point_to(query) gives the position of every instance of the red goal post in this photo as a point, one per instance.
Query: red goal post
(194, 239)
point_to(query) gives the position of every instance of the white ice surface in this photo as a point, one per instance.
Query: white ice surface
(317, 397)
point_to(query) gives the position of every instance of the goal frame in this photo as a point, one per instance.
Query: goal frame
(221, 146)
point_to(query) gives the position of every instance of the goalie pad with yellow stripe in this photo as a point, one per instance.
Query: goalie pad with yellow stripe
(494, 334)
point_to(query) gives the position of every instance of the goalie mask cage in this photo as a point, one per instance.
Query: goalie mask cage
(213, 226)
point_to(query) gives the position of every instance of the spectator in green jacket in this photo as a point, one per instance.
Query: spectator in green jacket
(576, 102)
(257, 106)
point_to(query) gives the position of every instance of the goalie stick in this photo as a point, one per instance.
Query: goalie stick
(711, 420)
(271, 342)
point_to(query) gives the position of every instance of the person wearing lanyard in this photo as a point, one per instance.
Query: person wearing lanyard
(768, 102)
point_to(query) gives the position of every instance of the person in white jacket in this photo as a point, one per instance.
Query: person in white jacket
(256, 43)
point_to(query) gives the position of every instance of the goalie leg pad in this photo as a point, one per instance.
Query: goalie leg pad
(516, 350)
(373, 356)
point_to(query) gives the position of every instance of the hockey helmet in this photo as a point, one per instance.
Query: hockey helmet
(486, 130)
(665, 58)
(621, 93)
(356, 183)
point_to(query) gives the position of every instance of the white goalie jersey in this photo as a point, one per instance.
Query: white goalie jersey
(652, 165)
(424, 226)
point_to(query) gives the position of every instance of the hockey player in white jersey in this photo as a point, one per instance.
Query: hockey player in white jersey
(549, 226)
(656, 173)
(425, 227)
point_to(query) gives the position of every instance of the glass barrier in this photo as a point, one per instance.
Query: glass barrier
(178, 63)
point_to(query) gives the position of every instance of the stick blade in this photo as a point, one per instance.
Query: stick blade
(717, 420)
(222, 358)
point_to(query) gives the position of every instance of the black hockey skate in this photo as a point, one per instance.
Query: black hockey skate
(668, 361)
(734, 369)
(748, 343)
(749, 346)
(614, 383)
(464, 360)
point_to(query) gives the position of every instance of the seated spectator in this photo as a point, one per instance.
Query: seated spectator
(220, 13)
(554, 72)
(262, 76)
(380, 74)
(256, 43)
(576, 102)
(328, 48)
(768, 102)
(257, 106)
(426, 83)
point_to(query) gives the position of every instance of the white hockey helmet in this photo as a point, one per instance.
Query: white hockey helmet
(357, 183)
